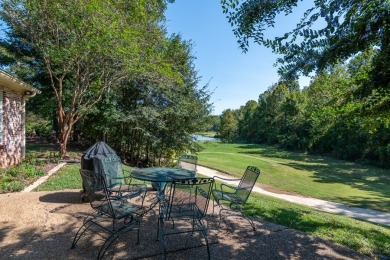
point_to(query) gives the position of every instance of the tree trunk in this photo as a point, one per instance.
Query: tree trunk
(66, 128)
(55, 124)
(62, 149)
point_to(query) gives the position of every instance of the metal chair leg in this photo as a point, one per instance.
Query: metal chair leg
(83, 228)
(242, 214)
(245, 216)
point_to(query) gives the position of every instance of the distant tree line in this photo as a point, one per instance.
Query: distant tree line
(327, 117)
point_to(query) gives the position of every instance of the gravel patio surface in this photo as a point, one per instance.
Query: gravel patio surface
(41, 225)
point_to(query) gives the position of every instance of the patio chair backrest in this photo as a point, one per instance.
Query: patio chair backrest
(97, 192)
(247, 183)
(188, 162)
(192, 193)
(112, 170)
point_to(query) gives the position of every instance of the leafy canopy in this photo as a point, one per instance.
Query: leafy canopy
(330, 31)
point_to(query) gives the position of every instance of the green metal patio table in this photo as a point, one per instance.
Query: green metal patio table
(161, 175)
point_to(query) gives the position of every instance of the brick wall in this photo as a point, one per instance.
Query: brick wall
(11, 147)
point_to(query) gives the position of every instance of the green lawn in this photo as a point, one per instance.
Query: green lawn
(364, 237)
(68, 177)
(314, 176)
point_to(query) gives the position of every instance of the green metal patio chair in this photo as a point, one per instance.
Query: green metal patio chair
(188, 216)
(184, 161)
(189, 162)
(123, 214)
(117, 182)
(236, 196)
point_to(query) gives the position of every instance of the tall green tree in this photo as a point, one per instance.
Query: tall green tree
(246, 131)
(327, 117)
(229, 126)
(212, 125)
(151, 118)
(80, 48)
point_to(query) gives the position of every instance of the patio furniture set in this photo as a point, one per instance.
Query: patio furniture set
(181, 203)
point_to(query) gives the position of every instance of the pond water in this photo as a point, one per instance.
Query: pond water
(201, 138)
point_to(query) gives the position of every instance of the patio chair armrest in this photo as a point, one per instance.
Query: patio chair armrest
(126, 179)
(223, 184)
(131, 191)
(228, 186)
(226, 179)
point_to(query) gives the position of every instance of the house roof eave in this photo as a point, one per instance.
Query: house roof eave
(12, 82)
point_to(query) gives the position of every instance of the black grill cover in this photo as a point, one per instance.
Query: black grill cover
(99, 149)
(92, 158)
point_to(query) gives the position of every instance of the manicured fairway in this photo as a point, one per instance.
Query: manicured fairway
(314, 176)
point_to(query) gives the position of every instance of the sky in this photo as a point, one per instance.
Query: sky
(234, 77)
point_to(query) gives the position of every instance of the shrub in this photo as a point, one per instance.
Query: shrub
(29, 170)
(12, 186)
(14, 172)
(15, 178)
(9, 184)
(36, 125)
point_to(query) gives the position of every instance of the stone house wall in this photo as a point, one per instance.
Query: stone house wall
(12, 141)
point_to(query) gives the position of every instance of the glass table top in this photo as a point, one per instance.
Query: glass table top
(161, 174)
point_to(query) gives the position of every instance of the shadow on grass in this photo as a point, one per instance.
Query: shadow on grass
(45, 149)
(376, 183)
(373, 240)
(274, 152)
